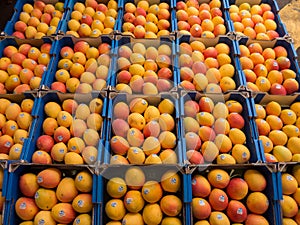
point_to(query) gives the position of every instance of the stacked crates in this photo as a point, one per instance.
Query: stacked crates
(148, 112)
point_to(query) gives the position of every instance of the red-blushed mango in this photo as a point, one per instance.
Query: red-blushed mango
(119, 145)
(218, 199)
(28, 184)
(221, 126)
(237, 188)
(138, 105)
(121, 110)
(49, 178)
(135, 137)
(120, 127)
(41, 157)
(171, 205)
(26, 208)
(236, 211)
(201, 209)
(193, 141)
(200, 186)
(256, 219)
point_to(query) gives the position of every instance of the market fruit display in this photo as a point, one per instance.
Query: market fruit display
(53, 196)
(70, 132)
(145, 68)
(143, 133)
(206, 67)
(278, 129)
(255, 21)
(82, 68)
(38, 20)
(16, 121)
(92, 18)
(219, 198)
(22, 67)
(200, 20)
(214, 132)
(146, 19)
(268, 69)
(135, 198)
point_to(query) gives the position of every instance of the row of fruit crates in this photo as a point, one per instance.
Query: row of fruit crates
(138, 66)
(161, 18)
(186, 128)
(177, 195)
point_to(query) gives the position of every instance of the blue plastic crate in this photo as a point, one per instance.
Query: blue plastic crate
(283, 168)
(281, 29)
(249, 129)
(70, 41)
(225, 14)
(130, 41)
(18, 169)
(4, 167)
(211, 42)
(9, 28)
(11, 41)
(285, 102)
(270, 191)
(18, 98)
(152, 173)
(40, 115)
(171, 9)
(292, 54)
(114, 98)
(64, 26)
